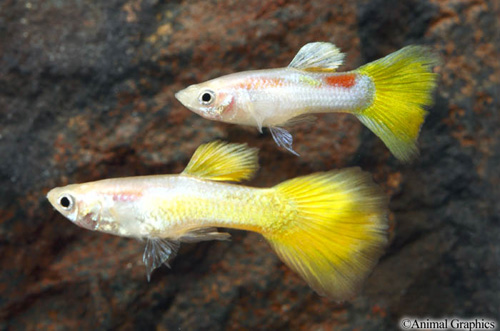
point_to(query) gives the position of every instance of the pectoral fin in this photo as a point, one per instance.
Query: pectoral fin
(318, 56)
(221, 161)
(259, 120)
(283, 138)
(251, 111)
(157, 252)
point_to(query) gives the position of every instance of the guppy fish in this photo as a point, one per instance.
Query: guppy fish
(387, 95)
(329, 227)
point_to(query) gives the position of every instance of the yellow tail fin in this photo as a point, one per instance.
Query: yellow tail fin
(403, 86)
(335, 232)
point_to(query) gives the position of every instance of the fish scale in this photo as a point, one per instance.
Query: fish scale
(329, 227)
(387, 95)
(316, 98)
(191, 199)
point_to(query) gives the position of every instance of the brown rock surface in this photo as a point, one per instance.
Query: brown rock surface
(86, 92)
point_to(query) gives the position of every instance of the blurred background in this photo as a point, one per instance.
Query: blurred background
(87, 92)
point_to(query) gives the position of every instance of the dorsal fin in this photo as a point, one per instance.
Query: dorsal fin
(318, 56)
(221, 161)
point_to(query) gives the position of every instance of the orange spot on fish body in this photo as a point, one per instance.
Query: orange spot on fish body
(126, 196)
(260, 83)
(346, 81)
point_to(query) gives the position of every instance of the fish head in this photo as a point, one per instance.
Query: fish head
(211, 100)
(80, 207)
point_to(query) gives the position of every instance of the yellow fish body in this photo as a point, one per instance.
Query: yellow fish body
(329, 227)
(387, 95)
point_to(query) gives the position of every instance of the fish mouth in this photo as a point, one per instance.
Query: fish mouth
(183, 97)
(189, 97)
(52, 196)
(178, 96)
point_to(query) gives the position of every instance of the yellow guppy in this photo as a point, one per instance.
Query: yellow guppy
(329, 227)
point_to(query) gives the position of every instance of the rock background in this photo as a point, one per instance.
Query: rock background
(86, 92)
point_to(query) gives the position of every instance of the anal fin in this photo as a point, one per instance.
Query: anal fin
(283, 138)
(157, 252)
(304, 118)
(204, 234)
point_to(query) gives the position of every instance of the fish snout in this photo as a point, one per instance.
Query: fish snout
(178, 96)
(189, 98)
(51, 196)
(185, 96)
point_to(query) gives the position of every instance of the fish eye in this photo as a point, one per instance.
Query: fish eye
(66, 202)
(207, 97)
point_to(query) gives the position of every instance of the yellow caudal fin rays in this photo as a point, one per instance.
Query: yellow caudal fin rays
(336, 231)
(223, 162)
(404, 82)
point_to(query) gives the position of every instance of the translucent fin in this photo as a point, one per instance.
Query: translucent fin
(403, 86)
(305, 118)
(157, 252)
(259, 121)
(223, 162)
(248, 107)
(318, 56)
(283, 138)
(204, 234)
(337, 232)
